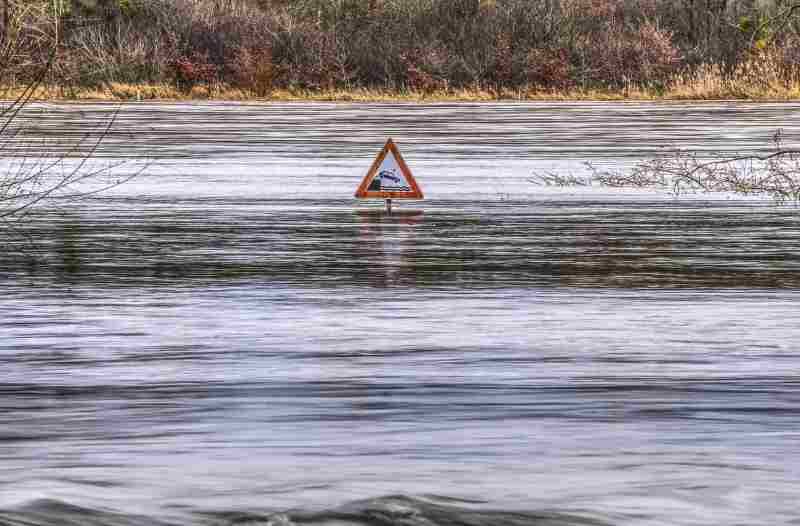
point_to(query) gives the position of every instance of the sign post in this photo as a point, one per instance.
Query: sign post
(389, 178)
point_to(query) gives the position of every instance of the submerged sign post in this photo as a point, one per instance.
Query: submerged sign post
(389, 178)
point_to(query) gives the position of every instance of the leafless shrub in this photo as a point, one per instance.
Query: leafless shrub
(560, 180)
(254, 69)
(425, 69)
(549, 68)
(26, 44)
(775, 175)
(620, 56)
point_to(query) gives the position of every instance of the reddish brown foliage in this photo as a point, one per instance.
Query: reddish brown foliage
(503, 67)
(549, 68)
(424, 69)
(254, 70)
(193, 70)
(617, 57)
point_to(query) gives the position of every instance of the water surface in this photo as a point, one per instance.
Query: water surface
(231, 338)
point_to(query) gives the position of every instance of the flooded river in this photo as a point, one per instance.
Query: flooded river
(231, 338)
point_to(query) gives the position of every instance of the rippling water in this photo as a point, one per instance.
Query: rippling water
(232, 339)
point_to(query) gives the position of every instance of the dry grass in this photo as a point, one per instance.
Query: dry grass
(762, 76)
(165, 92)
(754, 80)
(133, 92)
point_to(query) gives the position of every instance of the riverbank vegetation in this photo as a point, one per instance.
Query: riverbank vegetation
(407, 49)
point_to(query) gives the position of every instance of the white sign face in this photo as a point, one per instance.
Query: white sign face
(389, 177)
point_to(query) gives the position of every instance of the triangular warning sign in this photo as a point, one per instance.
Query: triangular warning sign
(389, 177)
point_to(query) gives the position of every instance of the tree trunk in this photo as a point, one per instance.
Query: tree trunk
(5, 20)
(692, 20)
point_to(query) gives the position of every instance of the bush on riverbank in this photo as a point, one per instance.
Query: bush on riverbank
(523, 48)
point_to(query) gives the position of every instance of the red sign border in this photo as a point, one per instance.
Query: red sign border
(363, 193)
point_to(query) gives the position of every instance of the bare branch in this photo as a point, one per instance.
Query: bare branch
(35, 172)
(776, 174)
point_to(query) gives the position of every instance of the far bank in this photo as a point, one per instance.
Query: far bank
(707, 87)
